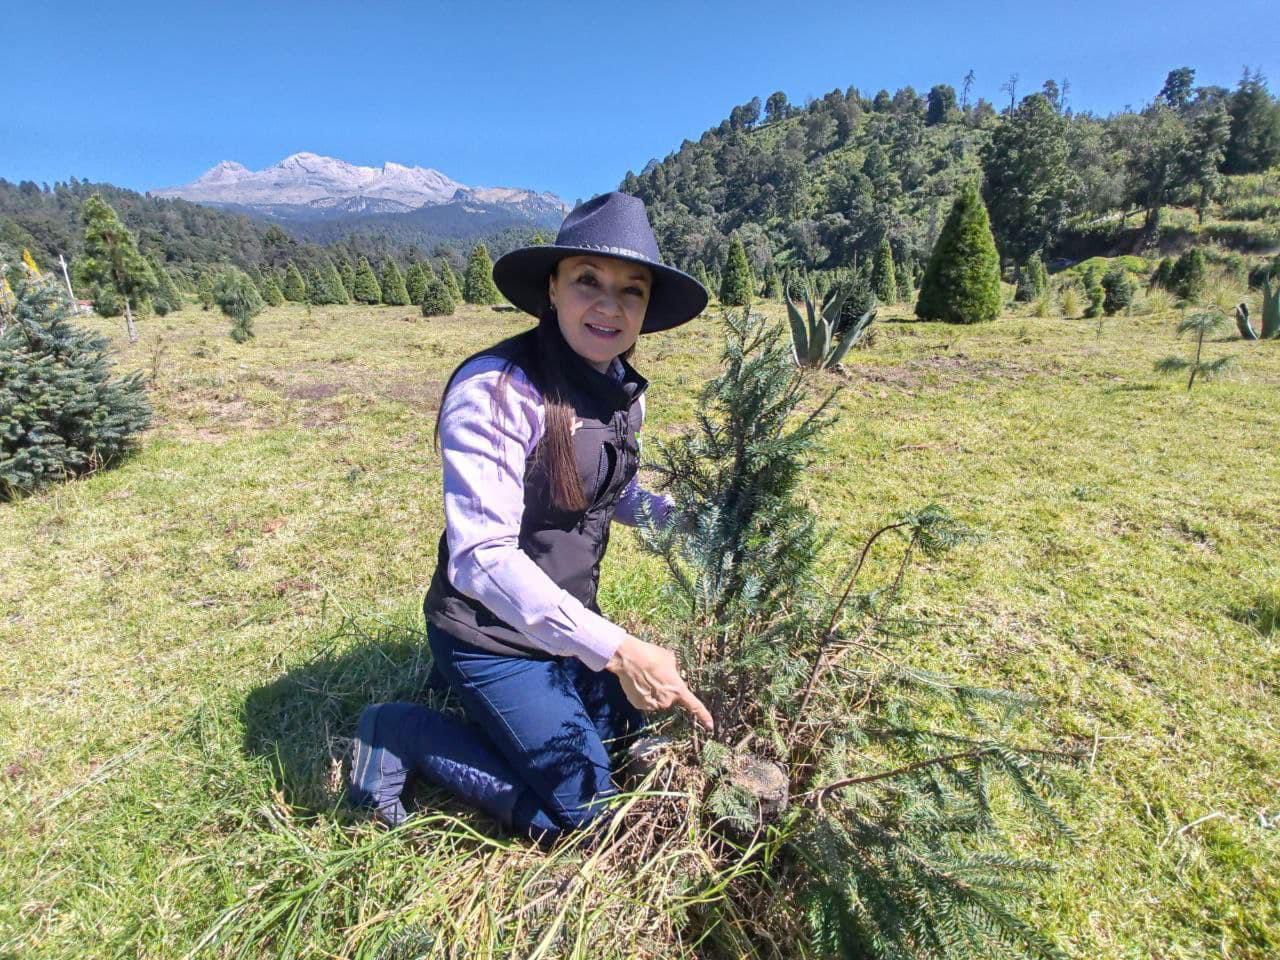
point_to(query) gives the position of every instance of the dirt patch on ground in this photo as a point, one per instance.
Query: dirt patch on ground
(311, 391)
(937, 372)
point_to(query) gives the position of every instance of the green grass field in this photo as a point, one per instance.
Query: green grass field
(186, 638)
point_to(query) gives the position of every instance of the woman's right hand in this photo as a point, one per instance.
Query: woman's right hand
(651, 679)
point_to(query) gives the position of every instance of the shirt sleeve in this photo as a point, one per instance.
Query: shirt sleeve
(634, 496)
(486, 435)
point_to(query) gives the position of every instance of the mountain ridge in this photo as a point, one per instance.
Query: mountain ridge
(309, 186)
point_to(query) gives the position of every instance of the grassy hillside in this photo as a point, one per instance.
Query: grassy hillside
(186, 639)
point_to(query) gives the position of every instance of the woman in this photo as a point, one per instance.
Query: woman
(539, 442)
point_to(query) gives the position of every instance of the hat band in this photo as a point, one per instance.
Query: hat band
(604, 248)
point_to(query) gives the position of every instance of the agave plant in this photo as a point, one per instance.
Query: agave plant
(816, 335)
(1270, 310)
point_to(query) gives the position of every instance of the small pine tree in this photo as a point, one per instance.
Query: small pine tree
(294, 289)
(1162, 276)
(437, 299)
(1201, 324)
(347, 273)
(394, 291)
(166, 298)
(415, 283)
(271, 291)
(238, 298)
(204, 290)
(1189, 277)
(61, 413)
(700, 274)
(884, 281)
(450, 280)
(366, 289)
(1033, 280)
(339, 291)
(1093, 293)
(903, 273)
(772, 283)
(735, 286)
(962, 281)
(112, 259)
(1118, 290)
(477, 284)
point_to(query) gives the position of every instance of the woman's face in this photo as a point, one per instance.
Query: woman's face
(600, 302)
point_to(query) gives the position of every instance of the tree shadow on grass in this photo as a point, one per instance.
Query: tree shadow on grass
(302, 722)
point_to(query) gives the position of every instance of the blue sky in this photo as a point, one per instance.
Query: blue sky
(556, 96)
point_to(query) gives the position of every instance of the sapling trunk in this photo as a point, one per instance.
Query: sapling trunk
(128, 322)
(1195, 366)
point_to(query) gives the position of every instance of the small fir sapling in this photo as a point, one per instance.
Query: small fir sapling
(1117, 290)
(366, 290)
(877, 776)
(477, 284)
(204, 290)
(1093, 293)
(61, 411)
(450, 280)
(884, 281)
(437, 299)
(1189, 276)
(238, 298)
(394, 291)
(736, 287)
(1201, 323)
(295, 288)
(111, 259)
(415, 283)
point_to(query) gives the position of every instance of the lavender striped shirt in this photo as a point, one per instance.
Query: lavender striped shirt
(485, 438)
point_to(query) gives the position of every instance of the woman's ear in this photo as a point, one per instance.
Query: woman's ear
(551, 290)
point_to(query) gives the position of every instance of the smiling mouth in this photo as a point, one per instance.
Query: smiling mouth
(606, 333)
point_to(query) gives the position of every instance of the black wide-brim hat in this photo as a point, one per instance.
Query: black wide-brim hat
(611, 225)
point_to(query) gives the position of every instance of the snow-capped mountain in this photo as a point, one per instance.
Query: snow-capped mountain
(307, 186)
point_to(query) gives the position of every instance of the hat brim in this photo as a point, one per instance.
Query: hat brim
(674, 298)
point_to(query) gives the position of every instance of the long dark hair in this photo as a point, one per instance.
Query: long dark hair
(546, 370)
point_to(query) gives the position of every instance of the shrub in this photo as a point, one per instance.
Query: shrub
(61, 413)
(1117, 290)
(238, 298)
(1069, 300)
(962, 281)
(437, 299)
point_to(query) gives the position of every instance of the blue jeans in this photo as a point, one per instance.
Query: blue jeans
(534, 752)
